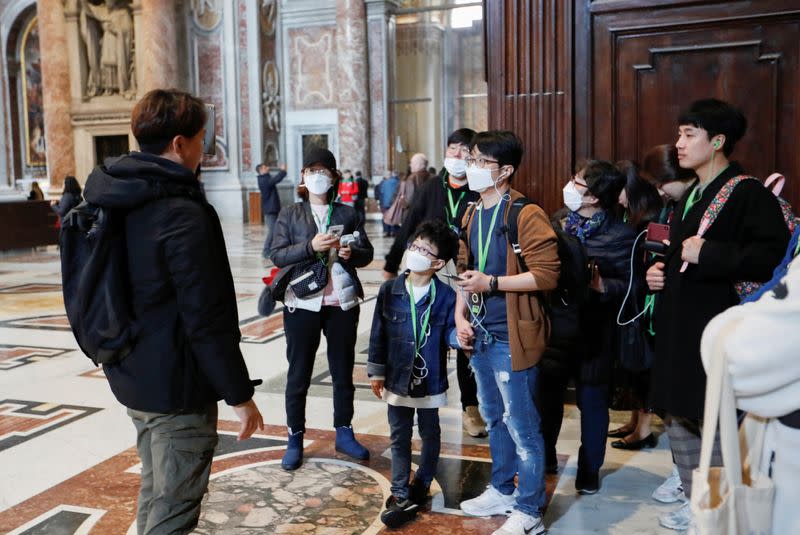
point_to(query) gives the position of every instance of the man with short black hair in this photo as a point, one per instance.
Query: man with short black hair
(186, 356)
(697, 277)
(270, 200)
(500, 317)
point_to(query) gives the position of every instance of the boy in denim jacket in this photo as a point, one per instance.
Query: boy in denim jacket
(414, 317)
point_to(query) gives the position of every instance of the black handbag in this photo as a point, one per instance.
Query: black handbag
(308, 278)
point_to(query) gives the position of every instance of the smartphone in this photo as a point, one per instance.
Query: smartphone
(654, 240)
(657, 232)
(210, 138)
(336, 230)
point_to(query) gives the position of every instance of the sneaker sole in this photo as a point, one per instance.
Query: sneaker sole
(670, 499)
(398, 518)
(505, 510)
(673, 526)
(588, 492)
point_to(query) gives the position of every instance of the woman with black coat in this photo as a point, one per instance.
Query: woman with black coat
(591, 196)
(304, 232)
(70, 198)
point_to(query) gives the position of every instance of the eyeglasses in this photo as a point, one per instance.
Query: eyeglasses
(480, 161)
(420, 249)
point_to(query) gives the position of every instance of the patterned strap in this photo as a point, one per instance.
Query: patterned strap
(722, 196)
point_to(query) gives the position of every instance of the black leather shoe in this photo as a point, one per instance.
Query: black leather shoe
(650, 441)
(620, 432)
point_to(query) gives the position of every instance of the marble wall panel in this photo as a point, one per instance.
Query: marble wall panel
(159, 45)
(210, 86)
(378, 92)
(313, 69)
(245, 145)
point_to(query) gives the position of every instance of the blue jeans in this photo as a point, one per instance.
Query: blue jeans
(401, 423)
(505, 401)
(269, 220)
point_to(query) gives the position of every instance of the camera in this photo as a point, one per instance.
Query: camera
(348, 239)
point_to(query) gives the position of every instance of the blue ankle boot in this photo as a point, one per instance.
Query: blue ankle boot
(346, 443)
(293, 457)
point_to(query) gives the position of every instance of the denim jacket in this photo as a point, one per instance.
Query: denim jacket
(391, 343)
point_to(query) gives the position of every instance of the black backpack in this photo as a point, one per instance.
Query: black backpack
(94, 276)
(564, 304)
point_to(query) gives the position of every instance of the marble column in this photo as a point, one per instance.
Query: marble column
(156, 44)
(56, 92)
(351, 52)
(381, 60)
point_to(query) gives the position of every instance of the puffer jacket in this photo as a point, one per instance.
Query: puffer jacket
(184, 306)
(294, 230)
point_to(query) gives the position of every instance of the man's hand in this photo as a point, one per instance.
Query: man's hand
(250, 417)
(474, 281)
(377, 388)
(655, 277)
(282, 166)
(345, 252)
(597, 283)
(691, 249)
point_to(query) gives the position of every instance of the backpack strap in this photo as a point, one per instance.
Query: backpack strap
(778, 180)
(512, 230)
(716, 206)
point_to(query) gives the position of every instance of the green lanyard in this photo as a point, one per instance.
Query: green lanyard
(797, 249)
(483, 250)
(453, 212)
(426, 316)
(693, 198)
(649, 309)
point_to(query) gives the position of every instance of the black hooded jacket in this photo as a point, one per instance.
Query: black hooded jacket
(187, 346)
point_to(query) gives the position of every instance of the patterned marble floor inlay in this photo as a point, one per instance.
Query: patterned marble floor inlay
(14, 356)
(55, 322)
(30, 288)
(322, 497)
(24, 420)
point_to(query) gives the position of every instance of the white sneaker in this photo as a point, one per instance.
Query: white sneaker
(520, 523)
(671, 490)
(679, 520)
(491, 502)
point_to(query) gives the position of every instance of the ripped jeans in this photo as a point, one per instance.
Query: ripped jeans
(505, 401)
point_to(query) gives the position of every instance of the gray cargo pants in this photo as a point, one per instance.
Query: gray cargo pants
(176, 452)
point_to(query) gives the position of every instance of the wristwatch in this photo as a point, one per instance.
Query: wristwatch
(493, 284)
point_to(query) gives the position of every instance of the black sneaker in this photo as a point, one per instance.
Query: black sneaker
(418, 492)
(587, 483)
(398, 513)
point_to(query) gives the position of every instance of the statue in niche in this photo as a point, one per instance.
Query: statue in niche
(270, 80)
(107, 31)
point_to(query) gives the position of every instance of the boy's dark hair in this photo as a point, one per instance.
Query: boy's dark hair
(163, 114)
(438, 233)
(462, 135)
(71, 185)
(502, 145)
(605, 182)
(716, 117)
(661, 166)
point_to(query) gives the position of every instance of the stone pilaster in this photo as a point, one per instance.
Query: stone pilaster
(157, 44)
(56, 92)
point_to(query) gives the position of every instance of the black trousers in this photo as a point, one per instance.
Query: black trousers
(466, 381)
(303, 329)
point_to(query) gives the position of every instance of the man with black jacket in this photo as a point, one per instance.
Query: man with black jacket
(270, 200)
(187, 355)
(445, 198)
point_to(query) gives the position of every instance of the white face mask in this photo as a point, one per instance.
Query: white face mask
(317, 183)
(417, 262)
(456, 167)
(572, 197)
(480, 179)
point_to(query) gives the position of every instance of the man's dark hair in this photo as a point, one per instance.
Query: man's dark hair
(716, 117)
(462, 135)
(438, 233)
(605, 182)
(502, 145)
(163, 114)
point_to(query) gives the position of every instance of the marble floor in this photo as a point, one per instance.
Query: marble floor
(68, 463)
